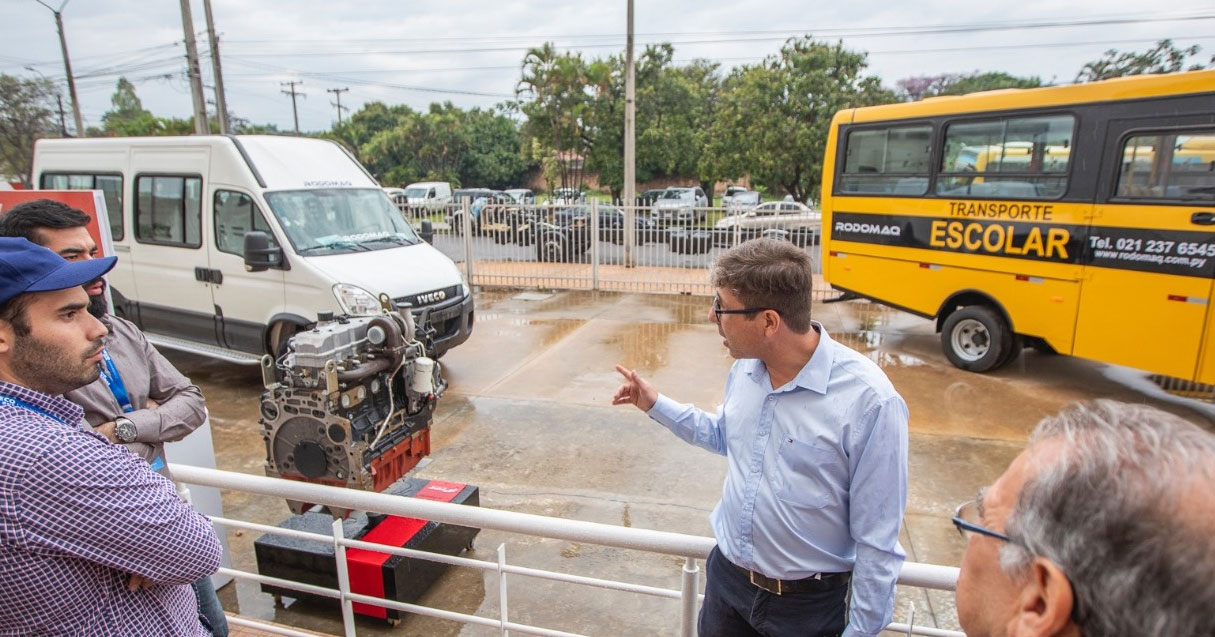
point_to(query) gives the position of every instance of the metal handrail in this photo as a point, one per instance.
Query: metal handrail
(690, 547)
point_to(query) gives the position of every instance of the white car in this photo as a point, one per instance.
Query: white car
(741, 202)
(788, 220)
(680, 204)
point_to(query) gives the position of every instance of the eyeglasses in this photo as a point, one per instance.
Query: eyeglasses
(966, 519)
(717, 311)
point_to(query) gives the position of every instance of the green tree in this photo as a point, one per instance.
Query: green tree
(556, 102)
(921, 86)
(493, 158)
(26, 114)
(1162, 58)
(774, 117)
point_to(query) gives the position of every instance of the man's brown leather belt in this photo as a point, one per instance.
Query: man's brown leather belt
(814, 584)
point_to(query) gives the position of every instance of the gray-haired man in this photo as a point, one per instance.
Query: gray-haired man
(1101, 527)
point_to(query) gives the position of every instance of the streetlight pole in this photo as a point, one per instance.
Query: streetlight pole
(67, 65)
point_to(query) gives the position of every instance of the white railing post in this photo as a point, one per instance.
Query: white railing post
(502, 587)
(343, 576)
(687, 600)
(466, 227)
(911, 619)
(595, 244)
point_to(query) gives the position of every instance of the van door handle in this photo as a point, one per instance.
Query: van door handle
(1203, 218)
(208, 275)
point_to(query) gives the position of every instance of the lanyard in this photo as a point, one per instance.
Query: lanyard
(113, 380)
(21, 404)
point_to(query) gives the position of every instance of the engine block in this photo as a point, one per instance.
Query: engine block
(350, 402)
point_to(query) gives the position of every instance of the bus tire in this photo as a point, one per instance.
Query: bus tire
(976, 338)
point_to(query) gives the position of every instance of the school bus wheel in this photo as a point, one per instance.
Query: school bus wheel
(976, 338)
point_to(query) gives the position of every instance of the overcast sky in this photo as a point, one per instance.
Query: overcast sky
(468, 52)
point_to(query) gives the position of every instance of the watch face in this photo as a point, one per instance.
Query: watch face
(124, 430)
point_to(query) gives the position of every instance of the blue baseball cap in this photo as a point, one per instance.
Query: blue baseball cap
(28, 267)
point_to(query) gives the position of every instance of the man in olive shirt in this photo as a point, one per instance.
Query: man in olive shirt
(140, 400)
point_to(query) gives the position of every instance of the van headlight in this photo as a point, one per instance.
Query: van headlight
(355, 300)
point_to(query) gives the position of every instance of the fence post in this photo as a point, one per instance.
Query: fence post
(466, 226)
(595, 244)
(502, 587)
(687, 599)
(343, 573)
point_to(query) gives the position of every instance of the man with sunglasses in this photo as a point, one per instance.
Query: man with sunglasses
(815, 438)
(1101, 527)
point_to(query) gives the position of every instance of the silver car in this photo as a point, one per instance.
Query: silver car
(680, 205)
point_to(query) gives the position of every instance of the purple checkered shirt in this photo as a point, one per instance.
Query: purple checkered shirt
(78, 515)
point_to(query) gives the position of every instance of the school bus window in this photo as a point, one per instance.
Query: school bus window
(1014, 158)
(1176, 165)
(892, 160)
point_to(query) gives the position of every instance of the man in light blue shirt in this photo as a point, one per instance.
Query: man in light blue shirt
(816, 438)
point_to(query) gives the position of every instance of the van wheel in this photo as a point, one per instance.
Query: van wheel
(280, 334)
(976, 338)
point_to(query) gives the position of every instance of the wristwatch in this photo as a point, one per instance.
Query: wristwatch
(124, 430)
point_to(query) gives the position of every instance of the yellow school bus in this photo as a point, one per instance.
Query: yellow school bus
(1078, 219)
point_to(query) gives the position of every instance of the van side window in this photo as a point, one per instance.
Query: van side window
(892, 160)
(236, 214)
(109, 185)
(1169, 165)
(168, 210)
(1013, 158)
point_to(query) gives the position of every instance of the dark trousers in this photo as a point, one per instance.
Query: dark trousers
(735, 607)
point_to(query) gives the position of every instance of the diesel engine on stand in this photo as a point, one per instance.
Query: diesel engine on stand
(350, 402)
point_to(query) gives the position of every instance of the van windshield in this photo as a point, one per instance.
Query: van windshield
(415, 192)
(340, 220)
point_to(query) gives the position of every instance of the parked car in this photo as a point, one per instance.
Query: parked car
(648, 197)
(522, 196)
(611, 223)
(680, 205)
(567, 197)
(427, 196)
(742, 202)
(728, 195)
(562, 242)
(789, 220)
(479, 198)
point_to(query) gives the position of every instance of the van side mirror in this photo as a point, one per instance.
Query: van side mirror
(428, 231)
(259, 256)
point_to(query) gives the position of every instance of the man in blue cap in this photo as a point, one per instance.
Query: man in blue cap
(92, 541)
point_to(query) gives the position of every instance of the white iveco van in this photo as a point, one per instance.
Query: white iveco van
(227, 245)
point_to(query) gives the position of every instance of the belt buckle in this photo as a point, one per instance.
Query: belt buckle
(760, 584)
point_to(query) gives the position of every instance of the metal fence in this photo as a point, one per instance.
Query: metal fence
(689, 547)
(600, 246)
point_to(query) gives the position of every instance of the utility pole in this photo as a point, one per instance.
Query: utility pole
(337, 93)
(294, 111)
(196, 89)
(221, 101)
(67, 66)
(62, 120)
(630, 150)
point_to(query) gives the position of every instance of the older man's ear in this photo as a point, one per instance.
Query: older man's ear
(1044, 606)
